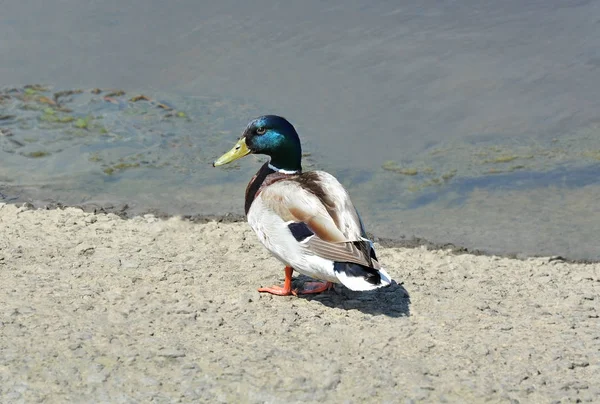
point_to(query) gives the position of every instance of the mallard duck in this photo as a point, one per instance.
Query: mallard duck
(305, 219)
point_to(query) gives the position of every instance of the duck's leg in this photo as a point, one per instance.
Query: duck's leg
(286, 290)
(310, 288)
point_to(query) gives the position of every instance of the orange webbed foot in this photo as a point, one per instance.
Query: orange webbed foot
(278, 290)
(315, 287)
(286, 289)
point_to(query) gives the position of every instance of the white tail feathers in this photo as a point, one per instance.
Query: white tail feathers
(359, 283)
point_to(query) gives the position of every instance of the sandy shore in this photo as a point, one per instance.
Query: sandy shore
(95, 308)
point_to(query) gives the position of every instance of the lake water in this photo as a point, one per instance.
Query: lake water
(469, 122)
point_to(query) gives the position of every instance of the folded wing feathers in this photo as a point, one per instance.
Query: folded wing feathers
(317, 199)
(340, 252)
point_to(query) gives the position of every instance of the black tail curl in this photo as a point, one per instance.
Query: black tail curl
(351, 269)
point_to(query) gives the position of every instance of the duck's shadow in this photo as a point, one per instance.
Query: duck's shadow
(392, 301)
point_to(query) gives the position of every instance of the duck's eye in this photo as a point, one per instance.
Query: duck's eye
(261, 131)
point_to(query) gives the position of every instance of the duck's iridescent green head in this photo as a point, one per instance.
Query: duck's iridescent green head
(271, 135)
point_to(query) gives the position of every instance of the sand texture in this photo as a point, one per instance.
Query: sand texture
(94, 308)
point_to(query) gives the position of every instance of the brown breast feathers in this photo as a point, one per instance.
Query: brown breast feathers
(263, 178)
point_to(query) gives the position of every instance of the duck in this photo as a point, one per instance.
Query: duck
(304, 218)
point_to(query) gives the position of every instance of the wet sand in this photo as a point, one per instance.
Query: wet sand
(96, 308)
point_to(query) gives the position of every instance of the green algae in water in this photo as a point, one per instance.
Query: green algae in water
(394, 167)
(37, 154)
(82, 123)
(594, 154)
(45, 100)
(408, 171)
(65, 93)
(506, 159)
(501, 159)
(48, 118)
(140, 97)
(31, 107)
(35, 88)
(94, 158)
(49, 115)
(53, 117)
(120, 167)
(449, 175)
(116, 93)
(423, 177)
(415, 188)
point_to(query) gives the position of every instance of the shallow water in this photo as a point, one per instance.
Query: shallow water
(473, 123)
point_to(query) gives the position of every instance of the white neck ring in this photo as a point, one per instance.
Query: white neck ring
(281, 170)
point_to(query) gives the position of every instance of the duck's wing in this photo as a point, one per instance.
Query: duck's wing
(320, 215)
(336, 201)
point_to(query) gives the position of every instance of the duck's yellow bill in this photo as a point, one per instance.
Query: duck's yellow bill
(238, 151)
